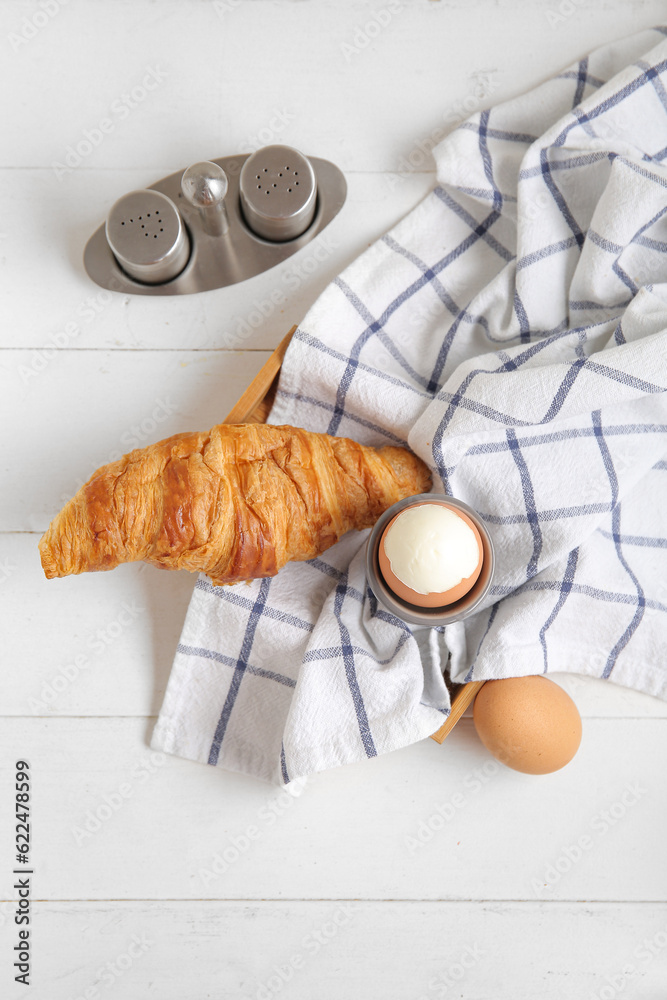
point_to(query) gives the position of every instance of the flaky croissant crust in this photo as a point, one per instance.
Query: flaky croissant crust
(235, 503)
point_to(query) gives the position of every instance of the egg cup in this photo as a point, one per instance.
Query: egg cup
(412, 613)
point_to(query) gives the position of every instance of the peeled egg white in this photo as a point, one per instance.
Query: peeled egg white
(419, 554)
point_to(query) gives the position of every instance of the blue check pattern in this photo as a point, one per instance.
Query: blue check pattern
(512, 331)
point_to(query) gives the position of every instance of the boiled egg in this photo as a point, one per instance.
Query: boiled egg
(430, 555)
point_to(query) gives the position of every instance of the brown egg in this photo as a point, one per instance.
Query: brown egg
(432, 599)
(528, 723)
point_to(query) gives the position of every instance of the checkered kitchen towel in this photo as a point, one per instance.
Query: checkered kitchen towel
(512, 330)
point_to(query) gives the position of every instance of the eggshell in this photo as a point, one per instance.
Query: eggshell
(432, 600)
(528, 723)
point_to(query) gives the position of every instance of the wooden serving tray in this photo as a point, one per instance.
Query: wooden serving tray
(253, 408)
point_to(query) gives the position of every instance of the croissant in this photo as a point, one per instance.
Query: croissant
(235, 503)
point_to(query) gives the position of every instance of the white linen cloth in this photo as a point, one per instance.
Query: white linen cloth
(512, 331)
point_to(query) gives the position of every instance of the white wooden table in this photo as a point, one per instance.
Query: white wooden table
(431, 872)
